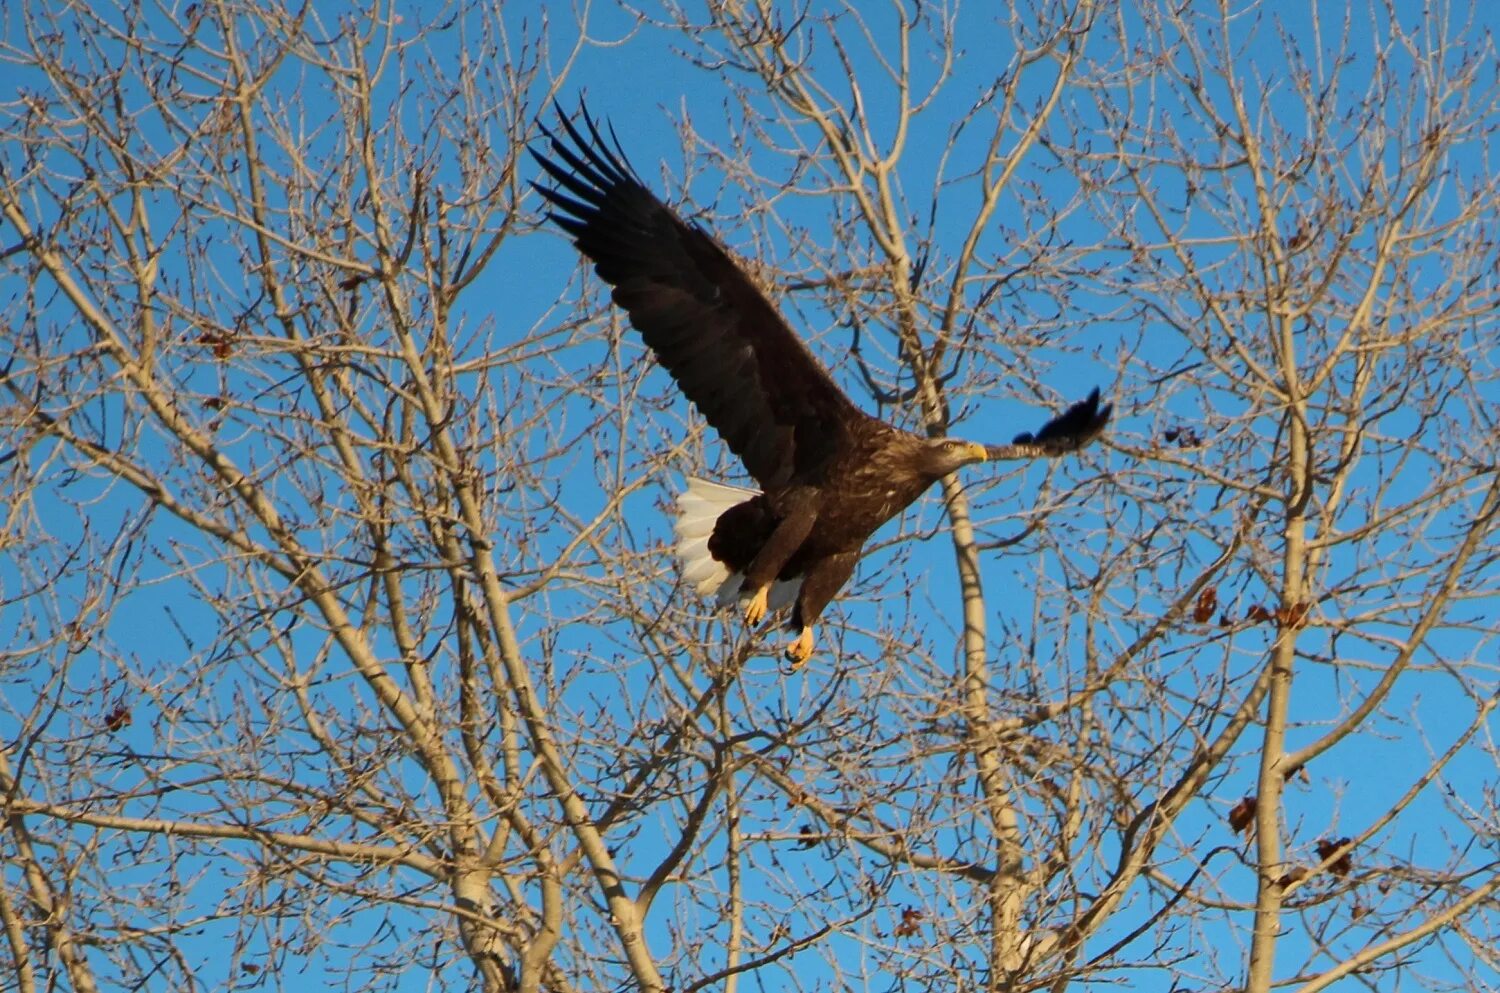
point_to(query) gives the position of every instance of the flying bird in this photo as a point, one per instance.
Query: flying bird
(829, 473)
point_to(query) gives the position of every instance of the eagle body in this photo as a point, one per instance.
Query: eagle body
(867, 485)
(880, 472)
(829, 474)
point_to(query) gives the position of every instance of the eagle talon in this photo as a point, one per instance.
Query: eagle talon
(799, 651)
(755, 610)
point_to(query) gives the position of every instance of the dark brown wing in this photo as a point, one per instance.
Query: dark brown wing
(1069, 431)
(728, 349)
(1073, 428)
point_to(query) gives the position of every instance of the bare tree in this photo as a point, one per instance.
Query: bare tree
(1285, 234)
(277, 496)
(347, 637)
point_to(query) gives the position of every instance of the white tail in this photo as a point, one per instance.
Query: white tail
(698, 510)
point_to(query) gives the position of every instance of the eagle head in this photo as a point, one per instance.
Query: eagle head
(945, 455)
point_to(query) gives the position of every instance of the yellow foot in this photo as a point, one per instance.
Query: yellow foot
(800, 650)
(755, 610)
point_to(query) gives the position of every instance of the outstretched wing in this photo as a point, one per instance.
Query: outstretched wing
(728, 349)
(1069, 431)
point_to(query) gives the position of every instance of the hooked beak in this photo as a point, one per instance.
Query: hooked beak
(977, 452)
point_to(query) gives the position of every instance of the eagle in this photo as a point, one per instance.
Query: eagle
(829, 474)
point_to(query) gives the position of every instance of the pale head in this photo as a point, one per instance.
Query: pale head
(945, 455)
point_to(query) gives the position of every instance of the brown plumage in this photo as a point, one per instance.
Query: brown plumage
(829, 473)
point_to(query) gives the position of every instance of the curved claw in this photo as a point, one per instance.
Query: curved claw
(755, 610)
(800, 650)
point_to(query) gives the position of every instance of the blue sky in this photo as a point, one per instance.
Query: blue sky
(1058, 338)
